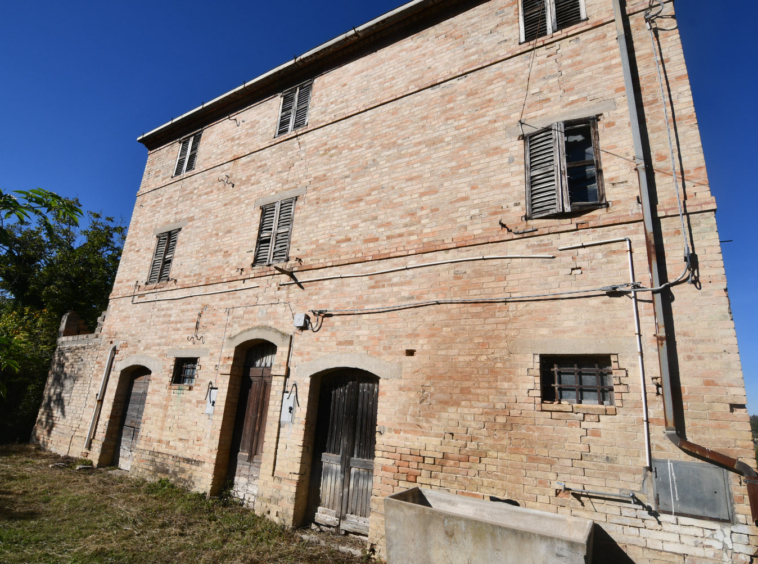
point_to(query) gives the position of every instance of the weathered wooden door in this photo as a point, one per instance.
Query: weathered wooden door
(250, 421)
(345, 442)
(134, 408)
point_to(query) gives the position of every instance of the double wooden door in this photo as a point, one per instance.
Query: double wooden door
(344, 449)
(134, 408)
(252, 408)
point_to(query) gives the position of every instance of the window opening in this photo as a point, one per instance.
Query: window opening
(582, 380)
(163, 257)
(275, 232)
(295, 106)
(185, 371)
(544, 17)
(563, 169)
(188, 154)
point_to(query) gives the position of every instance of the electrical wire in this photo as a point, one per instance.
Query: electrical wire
(531, 65)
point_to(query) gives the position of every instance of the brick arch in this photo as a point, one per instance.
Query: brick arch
(335, 361)
(259, 333)
(153, 364)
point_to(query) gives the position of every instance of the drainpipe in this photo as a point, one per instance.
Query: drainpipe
(672, 432)
(100, 396)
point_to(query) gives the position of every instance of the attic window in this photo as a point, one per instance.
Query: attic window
(544, 17)
(563, 169)
(294, 111)
(187, 158)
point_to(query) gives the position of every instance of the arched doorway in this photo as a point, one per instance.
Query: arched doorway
(131, 418)
(250, 421)
(342, 471)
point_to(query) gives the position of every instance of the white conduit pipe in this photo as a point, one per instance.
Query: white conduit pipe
(100, 396)
(412, 266)
(637, 333)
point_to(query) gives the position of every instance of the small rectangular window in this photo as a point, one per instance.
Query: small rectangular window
(275, 232)
(577, 379)
(185, 371)
(544, 17)
(294, 111)
(187, 158)
(563, 169)
(163, 257)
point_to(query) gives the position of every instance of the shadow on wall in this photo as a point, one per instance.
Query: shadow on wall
(605, 550)
(53, 403)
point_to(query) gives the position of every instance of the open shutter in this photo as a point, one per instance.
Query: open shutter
(169, 256)
(283, 231)
(543, 172)
(182, 157)
(265, 234)
(567, 13)
(285, 117)
(155, 267)
(193, 151)
(534, 19)
(303, 103)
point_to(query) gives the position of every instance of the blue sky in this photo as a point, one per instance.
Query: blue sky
(80, 81)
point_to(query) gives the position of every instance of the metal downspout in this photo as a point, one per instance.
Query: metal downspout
(100, 396)
(672, 433)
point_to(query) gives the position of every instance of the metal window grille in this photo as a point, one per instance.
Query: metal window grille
(185, 371)
(577, 380)
(187, 158)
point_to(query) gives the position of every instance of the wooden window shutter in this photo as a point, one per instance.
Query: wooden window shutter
(193, 151)
(281, 248)
(303, 103)
(155, 266)
(275, 232)
(567, 13)
(534, 15)
(285, 116)
(168, 258)
(182, 157)
(544, 172)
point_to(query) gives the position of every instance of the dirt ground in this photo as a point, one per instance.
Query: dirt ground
(51, 512)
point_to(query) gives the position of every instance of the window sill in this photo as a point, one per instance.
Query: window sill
(579, 408)
(179, 387)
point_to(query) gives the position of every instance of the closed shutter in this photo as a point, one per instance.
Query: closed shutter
(265, 234)
(534, 18)
(567, 13)
(543, 172)
(182, 157)
(168, 258)
(155, 267)
(303, 103)
(285, 116)
(283, 231)
(193, 152)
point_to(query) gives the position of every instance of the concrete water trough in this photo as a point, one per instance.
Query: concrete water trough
(426, 526)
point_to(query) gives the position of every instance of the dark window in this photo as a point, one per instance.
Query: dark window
(274, 232)
(577, 379)
(543, 17)
(563, 169)
(294, 112)
(163, 257)
(185, 371)
(187, 154)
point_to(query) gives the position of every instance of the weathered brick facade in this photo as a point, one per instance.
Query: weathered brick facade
(413, 154)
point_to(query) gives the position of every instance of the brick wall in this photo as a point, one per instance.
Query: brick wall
(412, 155)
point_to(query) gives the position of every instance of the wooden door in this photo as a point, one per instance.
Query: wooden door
(345, 443)
(134, 408)
(252, 410)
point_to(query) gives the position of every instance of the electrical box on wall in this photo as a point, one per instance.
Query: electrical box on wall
(692, 489)
(302, 321)
(210, 400)
(288, 405)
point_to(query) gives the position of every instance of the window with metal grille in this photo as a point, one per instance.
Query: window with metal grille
(275, 232)
(163, 257)
(187, 158)
(563, 170)
(185, 371)
(544, 17)
(294, 111)
(577, 379)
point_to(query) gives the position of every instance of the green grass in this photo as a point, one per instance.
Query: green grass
(60, 514)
